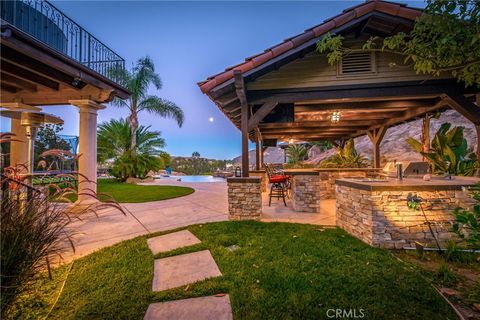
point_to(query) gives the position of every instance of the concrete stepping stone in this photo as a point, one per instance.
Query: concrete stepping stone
(177, 271)
(172, 241)
(203, 308)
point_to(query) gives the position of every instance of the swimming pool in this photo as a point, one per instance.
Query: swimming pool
(196, 178)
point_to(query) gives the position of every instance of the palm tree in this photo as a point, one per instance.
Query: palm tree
(114, 140)
(138, 81)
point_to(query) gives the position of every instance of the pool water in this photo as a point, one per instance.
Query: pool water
(196, 178)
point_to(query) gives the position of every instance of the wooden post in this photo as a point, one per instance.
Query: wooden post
(245, 164)
(257, 154)
(242, 96)
(426, 133)
(376, 136)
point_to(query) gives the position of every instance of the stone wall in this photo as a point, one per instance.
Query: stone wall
(244, 198)
(383, 219)
(306, 193)
(327, 181)
(262, 174)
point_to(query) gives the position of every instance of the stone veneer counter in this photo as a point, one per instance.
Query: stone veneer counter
(377, 213)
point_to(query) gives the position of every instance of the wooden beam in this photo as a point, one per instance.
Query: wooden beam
(17, 82)
(261, 113)
(462, 105)
(28, 75)
(372, 105)
(8, 88)
(240, 87)
(317, 124)
(417, 89)
(376, 137)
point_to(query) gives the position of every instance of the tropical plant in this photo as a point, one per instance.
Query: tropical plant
(114, 142)
(35, 230)
(446, 38)
(137, 165)
(467, 222)
(296, 153)
(346, 157)
(449, 152)
(137, 81)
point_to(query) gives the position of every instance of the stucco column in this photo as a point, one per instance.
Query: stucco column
(18, 149)
(87, 161)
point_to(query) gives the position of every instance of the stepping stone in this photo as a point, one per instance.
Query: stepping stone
(203, 308)
(172, 241)
(177, 271)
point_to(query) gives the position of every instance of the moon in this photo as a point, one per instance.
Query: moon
(210, 119)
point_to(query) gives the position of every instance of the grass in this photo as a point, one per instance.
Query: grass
(279, 271)
(132, 193)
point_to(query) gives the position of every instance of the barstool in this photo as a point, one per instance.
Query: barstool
(278, 186)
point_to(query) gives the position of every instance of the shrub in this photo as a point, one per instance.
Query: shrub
(296, 153)
(346, 157)
(138, 166)
(467, 222)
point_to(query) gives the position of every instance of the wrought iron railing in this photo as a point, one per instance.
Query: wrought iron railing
(46, 23)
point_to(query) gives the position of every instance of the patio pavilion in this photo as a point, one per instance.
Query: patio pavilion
(289, 92)
(48, 59)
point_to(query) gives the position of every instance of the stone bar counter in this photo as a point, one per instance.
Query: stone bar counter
(376, 211)
(305, 189)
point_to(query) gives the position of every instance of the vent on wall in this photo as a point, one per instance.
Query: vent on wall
(357, 63)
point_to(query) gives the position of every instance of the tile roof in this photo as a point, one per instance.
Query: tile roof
(349, 14)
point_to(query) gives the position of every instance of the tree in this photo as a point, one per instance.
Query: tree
(195, 154)
(446, 38)
(346, 157)
(137, 81)
(48, 139)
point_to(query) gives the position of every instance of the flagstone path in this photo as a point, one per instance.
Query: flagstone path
(176, 271)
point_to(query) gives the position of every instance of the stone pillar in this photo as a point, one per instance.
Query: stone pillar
(244, 198)
(18, 149)
(306, 192)
(87, 161)
(262, 174)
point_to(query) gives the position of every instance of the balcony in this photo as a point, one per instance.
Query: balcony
(43, 21)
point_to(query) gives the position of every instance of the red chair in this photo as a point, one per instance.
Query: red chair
(279, 185)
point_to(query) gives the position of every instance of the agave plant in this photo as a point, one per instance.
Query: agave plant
(296, 153)
(346, 157)
(449, 152)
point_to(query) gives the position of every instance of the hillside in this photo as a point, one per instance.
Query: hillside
(393, 146)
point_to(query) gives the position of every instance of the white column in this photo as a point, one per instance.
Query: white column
(87, 162)
(18, 149)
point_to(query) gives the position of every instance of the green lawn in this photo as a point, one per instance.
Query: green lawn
(280, 271)
(126, 192)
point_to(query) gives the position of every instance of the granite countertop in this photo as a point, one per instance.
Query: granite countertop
(415, 184)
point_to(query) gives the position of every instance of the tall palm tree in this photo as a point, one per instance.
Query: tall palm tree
(138, 80)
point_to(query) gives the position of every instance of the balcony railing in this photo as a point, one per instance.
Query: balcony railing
(46, 23)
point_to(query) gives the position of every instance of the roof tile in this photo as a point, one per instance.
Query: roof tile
(264, 57)
(409, 13)
(324, 28)
(281, 48)
(363, 10)
(344, 18)
(302, 38)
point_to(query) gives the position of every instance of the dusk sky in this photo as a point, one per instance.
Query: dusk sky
(188, 42)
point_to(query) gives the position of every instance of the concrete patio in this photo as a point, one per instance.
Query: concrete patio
(207, 204)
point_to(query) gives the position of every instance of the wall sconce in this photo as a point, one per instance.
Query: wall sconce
(290, 141)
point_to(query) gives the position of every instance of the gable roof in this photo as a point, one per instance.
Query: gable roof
(349, 14)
